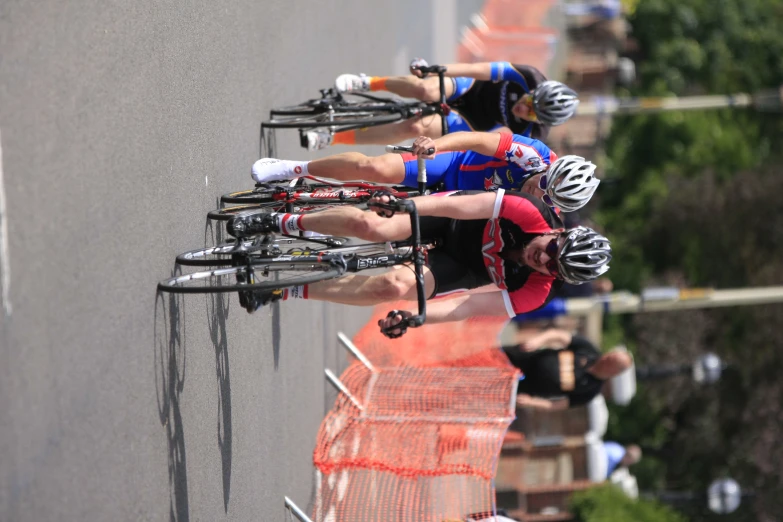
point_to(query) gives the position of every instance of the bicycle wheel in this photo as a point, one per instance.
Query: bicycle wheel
(265, 274)
(308, 108)
(353, 116)
(226, 254)
(337, 104)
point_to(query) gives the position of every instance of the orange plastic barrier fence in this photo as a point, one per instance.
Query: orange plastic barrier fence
(422, 446)
(473, 342)
(514, 32)
(422, 439)
(518, 15)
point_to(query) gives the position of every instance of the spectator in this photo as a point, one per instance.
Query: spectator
(562, 370)
(601, 9)
(619, 456)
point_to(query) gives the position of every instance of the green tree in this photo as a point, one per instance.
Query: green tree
(692, 199)
(609, 504)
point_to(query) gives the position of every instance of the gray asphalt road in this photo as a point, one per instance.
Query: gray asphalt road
(120, 124)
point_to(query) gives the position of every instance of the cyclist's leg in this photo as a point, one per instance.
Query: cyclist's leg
(426, 89)
(399, 283)
(362, 290)
(386, 168)
(353, 222)
(443, 276)
(429, 126)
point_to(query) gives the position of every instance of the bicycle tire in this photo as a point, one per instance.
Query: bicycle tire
(338, 119)
(310, 107)
(308, 273)
(225, 253)
(333, 103)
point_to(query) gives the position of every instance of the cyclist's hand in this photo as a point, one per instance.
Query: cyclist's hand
(383, 198)
(415, 63)
(422, 145)
(394, 318)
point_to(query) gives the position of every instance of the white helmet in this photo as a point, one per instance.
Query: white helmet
(584, 256)
(570, 183)
(554, 102)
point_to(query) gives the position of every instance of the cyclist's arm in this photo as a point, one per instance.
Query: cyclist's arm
(496, 72)
(479, 71)
(485, 143)
(464, 307)
(474, 206)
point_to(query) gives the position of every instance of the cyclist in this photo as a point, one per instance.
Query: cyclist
(461, 161)
(511, 240)
(483, 97)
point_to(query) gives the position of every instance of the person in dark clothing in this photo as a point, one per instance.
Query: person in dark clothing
(561, 370)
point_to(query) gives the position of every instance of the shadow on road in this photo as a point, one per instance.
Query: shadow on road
(217, 313)
(169, 339)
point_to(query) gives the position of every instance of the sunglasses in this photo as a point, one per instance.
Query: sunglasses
(551, 250)
(542, 185)
(531, 113)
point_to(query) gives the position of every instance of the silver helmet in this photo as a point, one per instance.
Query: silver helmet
(554, 102)
(584, 256)
(570, 182)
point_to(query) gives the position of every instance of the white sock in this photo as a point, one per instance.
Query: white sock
(271, 169)
(288, 223)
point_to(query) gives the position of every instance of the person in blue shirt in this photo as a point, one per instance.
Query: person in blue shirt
(619, 456)
(482, 97)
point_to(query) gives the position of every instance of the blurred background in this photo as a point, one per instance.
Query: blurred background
(681, 111)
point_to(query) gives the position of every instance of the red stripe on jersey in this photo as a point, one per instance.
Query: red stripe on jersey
(505, 144)
(489, 164)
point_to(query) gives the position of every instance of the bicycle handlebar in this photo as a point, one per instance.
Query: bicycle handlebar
(427, 69)
(399, 149)
(419, 260)
(398, 205)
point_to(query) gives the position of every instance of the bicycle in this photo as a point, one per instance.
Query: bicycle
(276, 262)
(342, 112)
(310, 193)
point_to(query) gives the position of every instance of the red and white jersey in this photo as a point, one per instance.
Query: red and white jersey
(517, 219)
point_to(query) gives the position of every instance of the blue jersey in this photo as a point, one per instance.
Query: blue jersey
(516, 159)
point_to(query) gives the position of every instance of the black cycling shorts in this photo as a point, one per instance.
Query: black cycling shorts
(456, 263)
